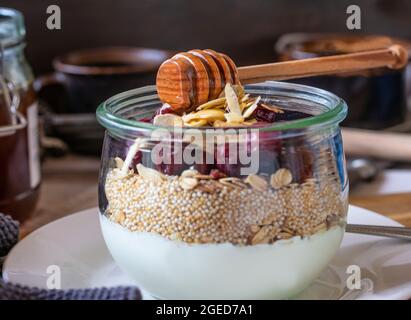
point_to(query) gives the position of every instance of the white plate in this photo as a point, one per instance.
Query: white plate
(75, 244)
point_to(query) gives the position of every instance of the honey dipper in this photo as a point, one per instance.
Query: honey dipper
(192, 78)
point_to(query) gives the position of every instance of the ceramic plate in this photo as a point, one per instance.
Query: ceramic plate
(75, 244)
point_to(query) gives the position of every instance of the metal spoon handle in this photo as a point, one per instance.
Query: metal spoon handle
(383, 231)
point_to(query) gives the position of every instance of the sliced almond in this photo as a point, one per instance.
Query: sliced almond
(196, 123)
(234, 118)
(119, 162)
(285, 235)
(233, 180)
(216, 103)
(206, 188)
(168, 120)
(220, 124)
(269, 220)
(209, 115)
(203, 177)
(188, 183)
(223, 124)
(245, 98)
(239, 90)
(250, 122)
(249, 111)
(230, 184)
(232, 99)
(262, 236)
(150, 174)
(272, 108)
(256, 182)
(189, 173)
(132, 151)
(281, 178)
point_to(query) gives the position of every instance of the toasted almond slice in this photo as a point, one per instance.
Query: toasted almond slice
(209, 115)
(188, 183)
(245, 98)
(233, 180)
(272, 108)
(262, 236)
(205, 188)
(216, 103)
(132, 151)
(285, 235)
(250, 122)
(229, 184)
(256, 182)
(239, 90)
(119, 162)
(281, 178)
(234, 118)
(249, 111)
(232, 99)
(203, 177)
(196, 123)
(221, 124)
(150, 174)
(168, 120)
(189, 173)
(270, 219)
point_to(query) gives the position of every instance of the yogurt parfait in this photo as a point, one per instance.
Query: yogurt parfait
(241, 197)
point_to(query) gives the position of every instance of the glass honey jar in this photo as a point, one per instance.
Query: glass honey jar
(19, 133)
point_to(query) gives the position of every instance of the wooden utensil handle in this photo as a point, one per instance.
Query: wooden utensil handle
(382, 145)
(393, 57)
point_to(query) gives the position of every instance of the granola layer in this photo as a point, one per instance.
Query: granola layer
(196, 208)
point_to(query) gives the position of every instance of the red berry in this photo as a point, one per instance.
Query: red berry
(217, 174)
(227, 155)
(298, 158)
(148, 120)
(264, 115)
(165, 108)
(170, 161)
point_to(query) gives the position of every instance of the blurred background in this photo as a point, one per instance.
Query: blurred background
(71, 76)
(246, 30)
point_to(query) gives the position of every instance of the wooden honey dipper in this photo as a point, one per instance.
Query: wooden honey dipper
(192, 78)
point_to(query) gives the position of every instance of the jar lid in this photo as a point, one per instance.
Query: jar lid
(12, 30)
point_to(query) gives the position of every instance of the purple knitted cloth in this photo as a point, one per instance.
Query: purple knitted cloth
(10, 291)
(9, 234)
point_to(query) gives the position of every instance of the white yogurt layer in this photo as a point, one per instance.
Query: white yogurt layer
(176, 270)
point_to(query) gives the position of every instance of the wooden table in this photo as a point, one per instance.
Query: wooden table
(70, 185)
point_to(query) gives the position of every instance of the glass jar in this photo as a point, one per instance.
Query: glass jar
(253, 213)
(19, 138)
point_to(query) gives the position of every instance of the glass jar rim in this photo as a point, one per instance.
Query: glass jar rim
(12, 29)
(337, 108)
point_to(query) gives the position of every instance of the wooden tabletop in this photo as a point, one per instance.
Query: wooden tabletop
(70, 184)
